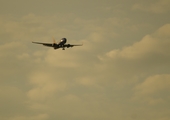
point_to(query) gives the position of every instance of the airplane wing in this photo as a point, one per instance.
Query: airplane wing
(69, 45)
(45, 44)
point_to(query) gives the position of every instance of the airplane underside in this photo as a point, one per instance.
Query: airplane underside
(56, 46)
(59, 46)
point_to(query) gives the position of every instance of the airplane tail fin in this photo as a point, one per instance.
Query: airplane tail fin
(54, 42)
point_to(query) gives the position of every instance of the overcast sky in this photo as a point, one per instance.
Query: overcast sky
(122, 71)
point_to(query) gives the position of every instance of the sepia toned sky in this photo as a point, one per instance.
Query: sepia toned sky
(122, 71)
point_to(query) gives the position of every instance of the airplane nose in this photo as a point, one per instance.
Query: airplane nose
(63, 40)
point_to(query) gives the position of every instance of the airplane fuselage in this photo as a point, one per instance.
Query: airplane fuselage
(60, 44)
(62, 41)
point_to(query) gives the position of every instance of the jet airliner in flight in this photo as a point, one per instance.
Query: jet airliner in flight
(62, 44)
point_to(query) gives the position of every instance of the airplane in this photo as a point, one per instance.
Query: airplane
(62, 44)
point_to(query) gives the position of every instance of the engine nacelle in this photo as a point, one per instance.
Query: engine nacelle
(55, 46)
(68, 45)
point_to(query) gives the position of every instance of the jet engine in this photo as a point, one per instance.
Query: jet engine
(68, 46)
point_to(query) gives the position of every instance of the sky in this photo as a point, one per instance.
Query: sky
(122, 71)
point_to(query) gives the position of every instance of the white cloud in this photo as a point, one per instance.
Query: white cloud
(136, 51)
(56, 58)
(131, 63)
(153, 90)
(146, 47)
(153, 47)
(45, 85)
(164, 31)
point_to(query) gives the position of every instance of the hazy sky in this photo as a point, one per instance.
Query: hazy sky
(122, 72)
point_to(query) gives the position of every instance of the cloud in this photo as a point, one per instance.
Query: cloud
(163, 31)
(12, 100)
(137, 51)
(45, 86)
(130, 64)
(153, 90)
(10, 47)
(147, 58)
(56, 58)
(149, 45)
(75, 84)
(160, 6)
(151, 49)
(13, 54)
